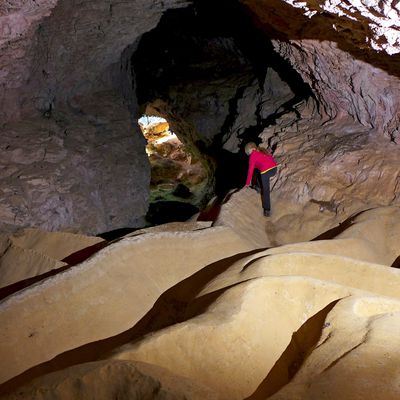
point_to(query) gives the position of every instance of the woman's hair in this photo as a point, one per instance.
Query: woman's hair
(250, 147)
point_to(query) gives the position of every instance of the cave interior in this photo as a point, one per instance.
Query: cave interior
(206, 65)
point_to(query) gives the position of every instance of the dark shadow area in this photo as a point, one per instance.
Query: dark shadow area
(256, 46)
(337, 230)
(230, 172)
(84, 254)
(179, 296)
(161, 212)
(212, 210)
(186, 45)
(250, 263)
(170, 308)
(300, 347)
(215, 42)
(20, 285)
(396, 263)
(116, 233)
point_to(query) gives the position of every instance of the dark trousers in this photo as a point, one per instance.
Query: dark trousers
(265, 188)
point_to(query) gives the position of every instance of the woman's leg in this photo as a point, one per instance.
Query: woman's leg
(266, 200)
(256, 182)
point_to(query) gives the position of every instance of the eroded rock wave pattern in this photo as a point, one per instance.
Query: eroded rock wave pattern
(201, 310)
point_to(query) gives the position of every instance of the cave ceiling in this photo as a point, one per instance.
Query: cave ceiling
(67, 87)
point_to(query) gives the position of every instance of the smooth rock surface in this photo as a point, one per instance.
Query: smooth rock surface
(32, 252)
(241, 334)
(105, 295)
(357, 355)
(107, 379)
(57, 245)
(291, 321)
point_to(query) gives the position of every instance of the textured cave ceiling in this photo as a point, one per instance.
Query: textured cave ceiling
(69, 99)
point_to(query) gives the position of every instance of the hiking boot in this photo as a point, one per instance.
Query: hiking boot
(267, 213)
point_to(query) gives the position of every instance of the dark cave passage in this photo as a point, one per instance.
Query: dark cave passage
(217, 80)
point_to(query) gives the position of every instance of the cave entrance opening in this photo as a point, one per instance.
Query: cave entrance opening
(177, 175)
(220, 82)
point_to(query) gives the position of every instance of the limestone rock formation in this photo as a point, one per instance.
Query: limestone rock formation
(239, 313)
(61, 174)
(329, 44)
(302, 305)
(348, 363)
(351, 133)
(32, 252)
(112, 290)
(290, 221)
(63, 85)
(290, 321)
(107, 379)
(69, 97)
(341, 167)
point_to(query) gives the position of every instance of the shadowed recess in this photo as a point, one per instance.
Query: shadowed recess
(302, 344)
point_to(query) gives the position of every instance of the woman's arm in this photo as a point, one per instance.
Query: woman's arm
(251, 169)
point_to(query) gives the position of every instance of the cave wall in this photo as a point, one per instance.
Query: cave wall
(348, 54)
(71, 158)
(66, 49)
(79, 173)
(341, 150)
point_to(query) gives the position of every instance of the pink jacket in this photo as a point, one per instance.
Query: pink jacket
(261, 161)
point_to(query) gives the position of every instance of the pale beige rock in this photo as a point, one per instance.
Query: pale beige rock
(358, 258)
(375, 278)
(244, 333)
(357, 356)
(371, 235)
(105, 295)
(33, 252)
(103, 380)
(249, 312)
(17, 264)
(289, 222)
(233, 345)
(379, 228)
(243, 212)
(358, 249)
(173, 227)
(57, 245)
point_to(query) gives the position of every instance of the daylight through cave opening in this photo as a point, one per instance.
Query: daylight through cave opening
(177, 175)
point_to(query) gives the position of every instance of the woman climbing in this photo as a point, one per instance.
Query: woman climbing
(267, 167)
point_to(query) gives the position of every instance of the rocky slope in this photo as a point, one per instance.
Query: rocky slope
(227, 318)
